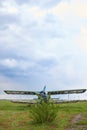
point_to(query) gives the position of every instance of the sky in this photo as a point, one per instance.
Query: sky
(43, 42)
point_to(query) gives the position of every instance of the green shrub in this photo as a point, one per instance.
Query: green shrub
(43, 112)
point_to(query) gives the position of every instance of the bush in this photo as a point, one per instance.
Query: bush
(43, 112)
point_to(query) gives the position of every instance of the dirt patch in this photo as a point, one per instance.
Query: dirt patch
(75, 120)
(80, 127)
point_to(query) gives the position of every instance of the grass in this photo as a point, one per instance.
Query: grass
(14, 116)
(44, 112)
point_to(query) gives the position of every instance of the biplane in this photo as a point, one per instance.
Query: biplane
(43, 95)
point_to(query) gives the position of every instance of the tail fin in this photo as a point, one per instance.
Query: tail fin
(44, 88)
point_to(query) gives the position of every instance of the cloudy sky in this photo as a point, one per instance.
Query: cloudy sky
(43, 42)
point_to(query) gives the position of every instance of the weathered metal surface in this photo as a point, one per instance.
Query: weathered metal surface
(67, 91)
(20, 92)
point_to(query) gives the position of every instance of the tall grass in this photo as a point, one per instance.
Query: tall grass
(43, 112)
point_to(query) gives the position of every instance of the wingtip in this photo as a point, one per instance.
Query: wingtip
(5, 91)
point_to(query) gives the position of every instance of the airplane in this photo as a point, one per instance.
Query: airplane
(43, 95)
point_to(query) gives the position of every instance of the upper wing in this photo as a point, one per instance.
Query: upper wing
(66, 91)
(20, 92)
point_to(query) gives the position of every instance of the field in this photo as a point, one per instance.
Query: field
(70, 116)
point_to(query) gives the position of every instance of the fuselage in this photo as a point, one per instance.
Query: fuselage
(44, 96)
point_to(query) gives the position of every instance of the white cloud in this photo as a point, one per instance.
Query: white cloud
(70, 72)
(9, 7)
(31, 14)
(18, 64)
(60, 10)
(10, 63)
(79, 8)
(7, 83)
(81, 38)
(69, 10)
(37, 12)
